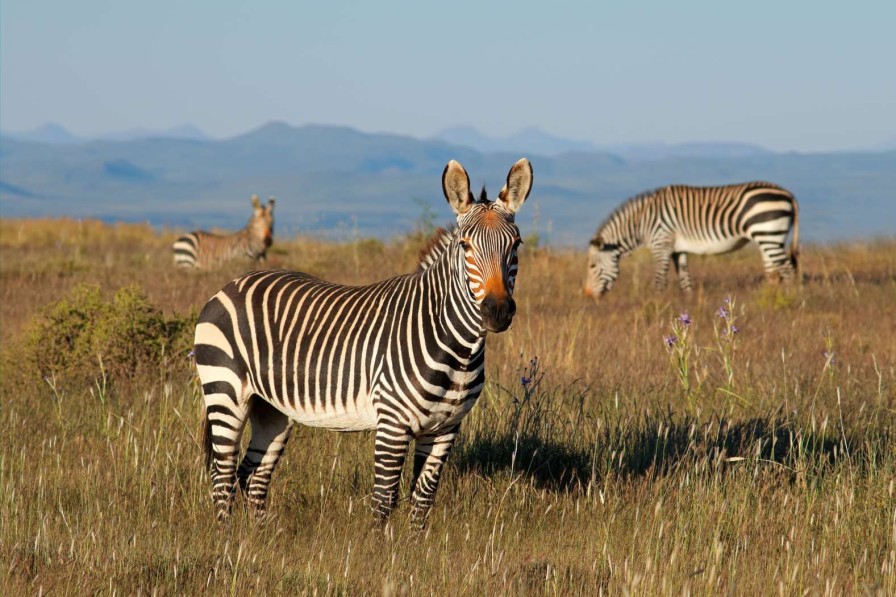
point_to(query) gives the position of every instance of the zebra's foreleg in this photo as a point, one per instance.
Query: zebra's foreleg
(430, 453)
(661, 256)
(270, 431)
(389, 452)
(681, 269)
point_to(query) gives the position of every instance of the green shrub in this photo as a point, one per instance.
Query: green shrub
(83, 337)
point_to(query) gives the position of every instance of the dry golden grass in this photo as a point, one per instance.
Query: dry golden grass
(599, 476)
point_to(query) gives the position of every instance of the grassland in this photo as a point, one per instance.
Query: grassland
(598, 460)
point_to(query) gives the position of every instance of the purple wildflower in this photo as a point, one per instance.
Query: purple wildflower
(723, 313)
(525, 381)
(670, 340)
(829, 356)
(727, 299)
(684, 319)
(191, 355)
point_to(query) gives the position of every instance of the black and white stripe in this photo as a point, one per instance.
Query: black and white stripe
(404, 357)
(204, 249)
(676, 220)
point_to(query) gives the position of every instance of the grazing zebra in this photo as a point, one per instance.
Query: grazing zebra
(204, 249)
(676, 220)
(404, 357)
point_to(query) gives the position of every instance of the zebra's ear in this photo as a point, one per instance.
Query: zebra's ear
(255, 203)
(519, 183)
(456, 186)
(270, 206)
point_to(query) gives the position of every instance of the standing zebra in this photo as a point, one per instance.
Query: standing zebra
(204, 249)
(676, 220)
(405, 356)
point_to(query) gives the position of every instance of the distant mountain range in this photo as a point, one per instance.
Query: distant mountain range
(534, 140)
(340, 182)
(56, 134)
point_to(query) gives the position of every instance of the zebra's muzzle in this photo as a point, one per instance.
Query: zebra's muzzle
(497, 314)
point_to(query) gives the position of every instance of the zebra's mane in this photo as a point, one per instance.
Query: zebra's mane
(628, 205)
(435, 247)
(441, 240)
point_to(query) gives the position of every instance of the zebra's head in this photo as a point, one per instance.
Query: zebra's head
(262, 222)
(603, 266)
(488, 239)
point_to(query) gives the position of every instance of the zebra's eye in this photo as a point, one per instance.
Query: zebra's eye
(464, 245)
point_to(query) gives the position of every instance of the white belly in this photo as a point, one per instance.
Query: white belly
(358, 415)
(708, 247)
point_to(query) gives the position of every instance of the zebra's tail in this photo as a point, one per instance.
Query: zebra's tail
(207, 440)
(795, 241)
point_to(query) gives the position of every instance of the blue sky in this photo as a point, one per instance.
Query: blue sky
(809, 76)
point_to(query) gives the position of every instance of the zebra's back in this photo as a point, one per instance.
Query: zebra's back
(205, 249)
(719, 219)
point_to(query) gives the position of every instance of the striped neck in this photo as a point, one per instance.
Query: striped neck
(450, 304)
(627, 227)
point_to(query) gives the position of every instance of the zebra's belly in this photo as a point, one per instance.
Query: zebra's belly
(356, 415)
(708, 246)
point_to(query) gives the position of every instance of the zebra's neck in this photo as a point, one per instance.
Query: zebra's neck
(628, 227)
(456, 316)
(248, 243)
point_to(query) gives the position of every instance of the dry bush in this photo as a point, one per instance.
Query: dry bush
(72, 339)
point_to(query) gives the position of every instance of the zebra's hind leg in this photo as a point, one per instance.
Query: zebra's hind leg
(390, 450)
(430, 453)
(778, 265)
(225, 419)
(681, 269)
(270, 431)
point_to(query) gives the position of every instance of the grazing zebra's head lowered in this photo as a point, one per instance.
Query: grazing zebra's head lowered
(204, 249)
(404, 356)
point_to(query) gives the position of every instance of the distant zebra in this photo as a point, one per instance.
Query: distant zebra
(204, 249)
(405, 356)
(676, 220)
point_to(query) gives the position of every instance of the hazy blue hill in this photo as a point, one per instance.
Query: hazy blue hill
(530, 140)
(333, 180)
(185, 131)
(706, 149)
(56, 134)
(535, 141)
(48, 133)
